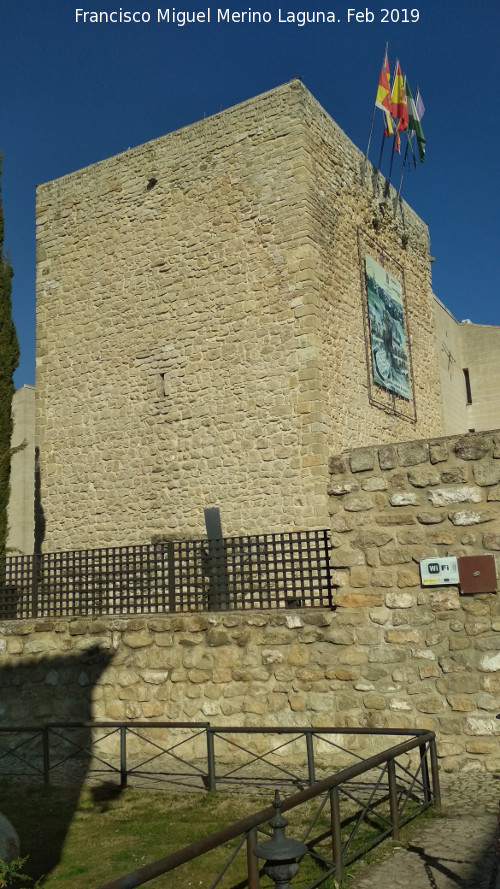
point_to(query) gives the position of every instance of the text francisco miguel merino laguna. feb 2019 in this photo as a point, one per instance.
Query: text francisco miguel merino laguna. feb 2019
(219, 15)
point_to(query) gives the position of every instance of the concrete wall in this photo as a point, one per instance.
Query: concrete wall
(392, 654)
(475, 348)
(200, 334)
(20, 537)
(449, 348)
(481, 356)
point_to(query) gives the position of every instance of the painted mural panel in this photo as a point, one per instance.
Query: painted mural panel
(387, 335)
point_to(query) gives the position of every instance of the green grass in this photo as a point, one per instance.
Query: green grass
(82, 839)
(86, 839)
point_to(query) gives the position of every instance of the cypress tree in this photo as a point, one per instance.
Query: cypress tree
(9, 359)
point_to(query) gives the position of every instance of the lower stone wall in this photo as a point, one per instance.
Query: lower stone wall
(433, 657)
(346, 667)
(391, 653)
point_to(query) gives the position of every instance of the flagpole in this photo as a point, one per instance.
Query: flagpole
(393, 152)
(373, 117)
(402, 171)
(408, 146)
(384, 137)
(371, 131)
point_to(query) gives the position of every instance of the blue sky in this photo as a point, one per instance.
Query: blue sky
(74, 93)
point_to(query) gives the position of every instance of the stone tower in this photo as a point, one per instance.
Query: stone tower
(212, 323)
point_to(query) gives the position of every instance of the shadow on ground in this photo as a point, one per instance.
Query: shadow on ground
(36, 692)
(459, 849)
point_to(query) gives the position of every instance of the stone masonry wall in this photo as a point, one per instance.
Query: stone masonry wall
(433, 658)
(350, 215)
(167, 338)
(449, 339)
(22, 470)
(200, 335)
(391, 653)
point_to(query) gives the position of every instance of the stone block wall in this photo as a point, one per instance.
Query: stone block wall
(433, 655)
(267, 668)
(200, 336)
(451, 365)
(350, 216)
(391, 653)
(20, 536)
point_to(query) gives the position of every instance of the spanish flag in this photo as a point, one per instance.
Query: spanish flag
(399, 107)
(383, 98)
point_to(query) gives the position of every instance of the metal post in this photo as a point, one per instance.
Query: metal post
(171, 576)
(310, 758)
(425, 773)
(123, 756)
(46, 755)
(435, 773)
(210, 759)
(336, 833)
(393, 798)
(34, 584)
(219, 579)
(252, 862)
(329, 585)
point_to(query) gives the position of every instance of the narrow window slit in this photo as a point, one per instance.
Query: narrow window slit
(467, 385)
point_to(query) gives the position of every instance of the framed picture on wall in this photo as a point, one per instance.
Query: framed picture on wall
(386, 325)
(387, 342)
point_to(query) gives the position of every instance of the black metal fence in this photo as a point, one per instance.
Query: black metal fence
(341, 816)
(349, 813)
(289, 569)
(193, 755)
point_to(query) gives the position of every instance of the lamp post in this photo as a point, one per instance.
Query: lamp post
(280, 853)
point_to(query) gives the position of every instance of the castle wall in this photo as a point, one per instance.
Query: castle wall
(351, 216)
(481, 357)
(20, 516)
(392, 653)
(434, 654)
(200, 329)
(451, 369)
(475, 349)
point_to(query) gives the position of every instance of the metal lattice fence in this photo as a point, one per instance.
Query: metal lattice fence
(288, 569)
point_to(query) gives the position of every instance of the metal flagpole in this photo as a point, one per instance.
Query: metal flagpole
(393, 152)
(384, 137)
(403, 170)
(371, 131)
(373, 118)
(409, 136)
(408, 146)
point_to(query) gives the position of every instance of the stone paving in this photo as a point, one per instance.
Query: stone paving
(457, 849)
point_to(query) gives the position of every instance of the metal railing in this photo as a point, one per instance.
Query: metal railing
(194, 754)
(349, 817)
(288, 569)
(345, 814)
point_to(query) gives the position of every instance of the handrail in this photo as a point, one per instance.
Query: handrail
(234, 729)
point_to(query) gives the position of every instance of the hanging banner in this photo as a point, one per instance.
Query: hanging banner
(387, 333)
